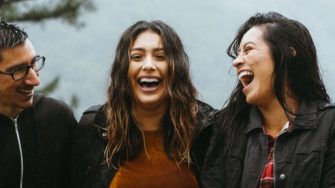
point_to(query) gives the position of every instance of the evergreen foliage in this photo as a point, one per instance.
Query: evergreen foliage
(39, 11)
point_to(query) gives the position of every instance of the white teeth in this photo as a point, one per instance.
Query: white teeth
(245, 73)
(149, 80)
(26, 91)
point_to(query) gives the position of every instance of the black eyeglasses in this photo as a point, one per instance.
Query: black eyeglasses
(21, 71)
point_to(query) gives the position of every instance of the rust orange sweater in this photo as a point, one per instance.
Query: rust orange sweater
(153, 169)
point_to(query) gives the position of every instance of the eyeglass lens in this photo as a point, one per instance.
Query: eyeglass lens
(21, 72)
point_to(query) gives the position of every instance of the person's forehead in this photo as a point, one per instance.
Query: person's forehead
(253, 34)
(20, 54)
(147, 38)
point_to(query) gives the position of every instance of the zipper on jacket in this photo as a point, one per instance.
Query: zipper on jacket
(20, 148)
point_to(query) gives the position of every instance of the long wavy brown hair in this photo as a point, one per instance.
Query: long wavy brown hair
(124, 136)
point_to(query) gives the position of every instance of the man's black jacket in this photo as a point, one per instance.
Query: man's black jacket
(44, 132)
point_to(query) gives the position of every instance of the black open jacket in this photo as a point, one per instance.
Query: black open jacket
(44, 131)
(303, 157)
(89, 169)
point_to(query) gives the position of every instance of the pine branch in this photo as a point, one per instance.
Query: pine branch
(50, 87)
(67, 10)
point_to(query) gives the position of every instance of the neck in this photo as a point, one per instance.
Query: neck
(150, 119)
(11, 113)
(274, 116)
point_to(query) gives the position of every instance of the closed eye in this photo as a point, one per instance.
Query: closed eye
(136, 57)
(247, 49)
(160, 57)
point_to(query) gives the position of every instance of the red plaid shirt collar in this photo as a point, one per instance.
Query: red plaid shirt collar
(267, 178)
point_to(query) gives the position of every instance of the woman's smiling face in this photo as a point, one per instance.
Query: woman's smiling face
(255, 67)
(148, 71)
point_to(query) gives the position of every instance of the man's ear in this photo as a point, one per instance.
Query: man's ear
(293, 52)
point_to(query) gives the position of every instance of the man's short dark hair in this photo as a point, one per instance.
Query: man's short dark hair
(10, 35)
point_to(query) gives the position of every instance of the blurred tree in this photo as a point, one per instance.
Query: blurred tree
(50, 87)
(43, 10)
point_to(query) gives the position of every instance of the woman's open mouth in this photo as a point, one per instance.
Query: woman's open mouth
(149, 83)
(246, 77)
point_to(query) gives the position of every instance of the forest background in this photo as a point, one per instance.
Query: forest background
(78, 38)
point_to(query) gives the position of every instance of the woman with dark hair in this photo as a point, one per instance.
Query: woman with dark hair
(278, 127)
(152, 132)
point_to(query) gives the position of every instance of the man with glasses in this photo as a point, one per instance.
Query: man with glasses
(35, 130)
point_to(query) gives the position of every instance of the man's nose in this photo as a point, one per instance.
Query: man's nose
(32, 78)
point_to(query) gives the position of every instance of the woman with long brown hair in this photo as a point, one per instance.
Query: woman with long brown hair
(152, 131)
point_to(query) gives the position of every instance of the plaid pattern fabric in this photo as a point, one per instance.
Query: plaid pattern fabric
(267, 180)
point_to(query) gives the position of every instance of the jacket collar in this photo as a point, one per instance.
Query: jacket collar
(255, 120)
(24, 113)
(37, 98)
(305, 117)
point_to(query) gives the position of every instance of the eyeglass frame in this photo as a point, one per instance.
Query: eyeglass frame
(27, 67)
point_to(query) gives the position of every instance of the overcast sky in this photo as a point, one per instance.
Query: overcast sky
(83, 57)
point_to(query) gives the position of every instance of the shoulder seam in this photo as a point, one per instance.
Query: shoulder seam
(327, 105)
(92, 109)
